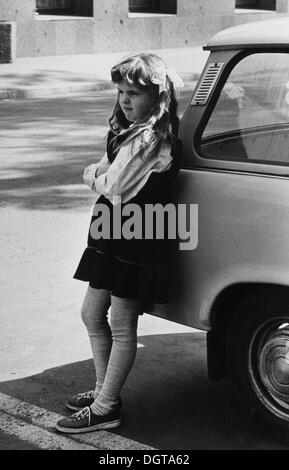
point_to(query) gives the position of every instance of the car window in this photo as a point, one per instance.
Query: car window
(251, 118)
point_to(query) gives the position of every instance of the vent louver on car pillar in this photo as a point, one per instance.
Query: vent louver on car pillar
(207, 84)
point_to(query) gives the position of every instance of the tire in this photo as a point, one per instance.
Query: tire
(258, 356)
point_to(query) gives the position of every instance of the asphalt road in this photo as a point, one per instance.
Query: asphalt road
(45, 356)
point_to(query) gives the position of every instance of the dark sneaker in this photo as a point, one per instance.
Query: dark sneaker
(86, 421)
(81, 400)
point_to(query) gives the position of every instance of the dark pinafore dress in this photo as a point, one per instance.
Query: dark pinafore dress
(134, 268)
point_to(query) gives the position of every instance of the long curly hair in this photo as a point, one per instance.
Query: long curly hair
(139, 70)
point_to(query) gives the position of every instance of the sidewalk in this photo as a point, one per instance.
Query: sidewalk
(53, 76)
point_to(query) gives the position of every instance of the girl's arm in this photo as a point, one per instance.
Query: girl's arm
(129, 172)
(95, 170)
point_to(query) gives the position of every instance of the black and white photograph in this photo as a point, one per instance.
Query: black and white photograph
(144, 170)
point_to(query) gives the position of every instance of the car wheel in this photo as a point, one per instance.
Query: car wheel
(258, 357)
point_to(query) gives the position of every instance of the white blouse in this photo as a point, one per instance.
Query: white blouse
(129, 171)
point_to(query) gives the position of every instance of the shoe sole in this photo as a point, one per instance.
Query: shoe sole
(96, 427)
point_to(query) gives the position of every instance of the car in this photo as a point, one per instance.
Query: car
(234, 284)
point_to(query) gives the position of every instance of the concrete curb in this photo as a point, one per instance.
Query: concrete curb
(54, 92)
(70, 90)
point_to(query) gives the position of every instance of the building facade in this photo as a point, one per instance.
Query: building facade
(56, 27)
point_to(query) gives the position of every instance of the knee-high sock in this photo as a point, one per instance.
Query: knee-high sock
(123, 321)
(94, 314)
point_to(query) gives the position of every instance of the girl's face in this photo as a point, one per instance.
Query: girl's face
(135, 102)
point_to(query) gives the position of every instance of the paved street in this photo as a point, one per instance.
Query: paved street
(45, 356)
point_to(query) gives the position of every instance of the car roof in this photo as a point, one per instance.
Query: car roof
(257, 34)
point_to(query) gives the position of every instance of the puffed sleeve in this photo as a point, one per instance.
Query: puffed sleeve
(89, 173)
(130, 170)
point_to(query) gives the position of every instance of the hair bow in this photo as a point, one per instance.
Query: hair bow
(175, 78)
(159, 78)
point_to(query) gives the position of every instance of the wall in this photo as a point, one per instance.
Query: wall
(112, 28)
(17, 10)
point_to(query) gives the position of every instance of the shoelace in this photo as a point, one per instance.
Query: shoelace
(84, 413)
(86, 394)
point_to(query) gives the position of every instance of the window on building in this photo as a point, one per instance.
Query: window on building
(153, 6)
(65, 7)
(256, 4)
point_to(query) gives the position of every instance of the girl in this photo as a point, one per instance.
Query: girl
(125, 270)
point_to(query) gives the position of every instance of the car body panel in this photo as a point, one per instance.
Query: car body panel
(255, 250)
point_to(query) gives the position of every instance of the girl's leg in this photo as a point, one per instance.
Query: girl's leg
(94, 315)
(123, 322)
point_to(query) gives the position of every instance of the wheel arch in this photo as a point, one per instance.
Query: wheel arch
(222, 313)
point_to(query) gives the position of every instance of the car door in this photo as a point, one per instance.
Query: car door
(235, 134)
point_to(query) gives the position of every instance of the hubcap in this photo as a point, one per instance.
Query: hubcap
(274, 364)
(269, 366)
